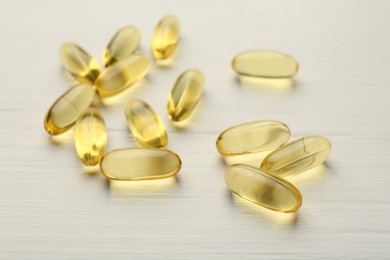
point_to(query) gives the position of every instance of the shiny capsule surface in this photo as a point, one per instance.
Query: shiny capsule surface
(264, 63)
(253, 137)
(145, 124)
(90, 137)
(140, 164)
(123, 44)
(259, 187)
(185, 95)
(121, 75)
(165, 38)
(79, 63)
(297, 156)
(67, 108)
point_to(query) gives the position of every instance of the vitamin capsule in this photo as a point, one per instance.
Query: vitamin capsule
(145, 124)
(90, 137)
(140, 164)
(185, 95)
(67, 108)
(165, 38)
(297, 156)
(259, 187)
(253, 137)
(267, 64)
(79, 63)
(121, 75)
(123, 44)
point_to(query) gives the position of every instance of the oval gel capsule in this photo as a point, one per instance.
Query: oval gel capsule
(262, 188)
(67, 108)
(123, 44)
(122, 74)
(165, 38)
(145, 124)
(253, 137)
(185, 95)
(267, 64)
(140, 164)
(90, 137)
(79, 63)
(297, 156)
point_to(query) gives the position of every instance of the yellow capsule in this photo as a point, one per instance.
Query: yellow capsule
(123, 44)
(67, 108)
(130, 164)
(122, 74)
(266, 64)
(90, 137)
(253, 137)
(265, 189)
(297, 156)
(185, 95)
(165, 38)
(79, 63)
(145, 124)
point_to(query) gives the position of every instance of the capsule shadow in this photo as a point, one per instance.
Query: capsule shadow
(144, 187)
(279, 84)
(64, 138)
(279, 218)
(90, 170)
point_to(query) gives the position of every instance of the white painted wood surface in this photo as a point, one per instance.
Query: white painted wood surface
(51, 209)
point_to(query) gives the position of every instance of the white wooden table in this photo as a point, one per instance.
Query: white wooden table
(51, 209)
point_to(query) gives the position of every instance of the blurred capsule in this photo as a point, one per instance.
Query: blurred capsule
(165, 38)
(79, 63)
(145, 124)
(90, 137)
(123, 44)
(185, 95)
(67, 109)
(267, 64)
(121, 75)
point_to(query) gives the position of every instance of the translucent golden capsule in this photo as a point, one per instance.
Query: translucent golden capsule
(140, 164)
(90, 137)
(165, 38)
(259, 187)
(123, 44)
(253, 137)
(122, 74)
(267, 64)
(67, 108)
(145, 124)
(185, 95)
(297, 156)
(79, 63)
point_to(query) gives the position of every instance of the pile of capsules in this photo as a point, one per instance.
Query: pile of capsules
(266, 185)
(125, 66)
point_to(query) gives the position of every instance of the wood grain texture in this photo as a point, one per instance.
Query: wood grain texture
(51, 209)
